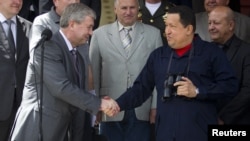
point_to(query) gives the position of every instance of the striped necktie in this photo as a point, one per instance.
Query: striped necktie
(127, 40)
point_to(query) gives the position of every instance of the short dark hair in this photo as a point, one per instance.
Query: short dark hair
(187, 16)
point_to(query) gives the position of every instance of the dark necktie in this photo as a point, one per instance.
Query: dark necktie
(11, 38)
(75, 58)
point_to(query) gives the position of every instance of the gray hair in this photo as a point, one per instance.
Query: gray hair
(117, 2)
(75, 12)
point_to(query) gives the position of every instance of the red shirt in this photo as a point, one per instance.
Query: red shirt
(183, 50)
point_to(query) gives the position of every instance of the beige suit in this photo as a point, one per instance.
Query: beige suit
(113, 71)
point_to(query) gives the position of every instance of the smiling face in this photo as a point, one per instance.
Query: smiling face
(126, 11)
(177, 35)
(81, 31)
(10, 8)
(211, 4)
(220, 24)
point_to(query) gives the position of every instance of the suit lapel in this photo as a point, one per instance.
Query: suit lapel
(4, 46)
(234, 46)
(20, 37)
(82, 67)
(137, 38)
(114, 38)
(59, 40)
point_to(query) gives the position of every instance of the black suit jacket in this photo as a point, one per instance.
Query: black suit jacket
(237, 111)
(12, 70)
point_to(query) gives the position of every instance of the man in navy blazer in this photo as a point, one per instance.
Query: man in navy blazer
(189, 74)
(12, 64)
(221, 28)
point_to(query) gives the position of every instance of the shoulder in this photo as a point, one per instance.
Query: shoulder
(161, 52)
(148, 28)
(103, 28)
(44, 18)
(207, 48)
(241, 16)
(201, 15)
(24, 21)
(244, 47)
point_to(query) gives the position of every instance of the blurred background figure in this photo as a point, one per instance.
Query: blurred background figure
(14, 56)
(152, 12)
(221, 28)
(242, 28)
(29, 9)
(45, 6)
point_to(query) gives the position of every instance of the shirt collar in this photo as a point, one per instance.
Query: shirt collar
(120, 26)
(3, 19)
(66, 40)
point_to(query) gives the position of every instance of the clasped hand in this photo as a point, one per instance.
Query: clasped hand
(109, 106)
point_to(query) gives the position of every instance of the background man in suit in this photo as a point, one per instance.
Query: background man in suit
(116, 65)
(49, 20)
(63, 91)
(13, 62)
(152, 11)
(221, 28)
(185, 113)
(45, 6)
(242, 28)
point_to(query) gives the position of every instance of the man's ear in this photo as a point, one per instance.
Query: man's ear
(231, 25)
(190, 29)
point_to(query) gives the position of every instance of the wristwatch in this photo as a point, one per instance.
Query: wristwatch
(197, 91)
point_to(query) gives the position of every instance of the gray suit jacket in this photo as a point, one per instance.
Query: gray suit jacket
(12, 70)
(242, 28)
(113, 71)
(61, 94)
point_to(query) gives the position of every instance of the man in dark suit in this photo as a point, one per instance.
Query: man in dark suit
(242, 28)
(221, 28)
(45, 6)
(189, 78)
(63, 82)
(13, 61)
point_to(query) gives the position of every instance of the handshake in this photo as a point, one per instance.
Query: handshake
(109, 106)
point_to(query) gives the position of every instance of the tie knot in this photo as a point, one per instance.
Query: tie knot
(9, 22)
(73, 51)
(127, 29)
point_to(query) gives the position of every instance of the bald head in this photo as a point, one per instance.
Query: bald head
(221, 24)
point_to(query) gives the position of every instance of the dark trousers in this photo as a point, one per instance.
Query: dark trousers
(129, 129)
(81, 128)
(6, 125)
